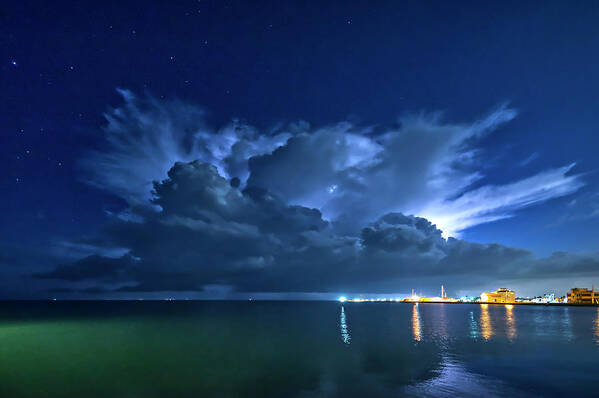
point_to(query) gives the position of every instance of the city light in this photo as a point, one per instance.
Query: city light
(503, 295)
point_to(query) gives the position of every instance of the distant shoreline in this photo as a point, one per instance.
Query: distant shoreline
(81, 301)
(463, 302)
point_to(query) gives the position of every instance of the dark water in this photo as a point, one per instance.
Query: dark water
(295, 349)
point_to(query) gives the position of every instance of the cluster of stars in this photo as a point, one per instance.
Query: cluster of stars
(28, 153)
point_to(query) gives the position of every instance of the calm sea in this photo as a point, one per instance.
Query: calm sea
(296, 349)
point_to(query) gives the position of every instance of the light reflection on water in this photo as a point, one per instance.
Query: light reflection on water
(416, 327)
(567, 325)
(440, 329)
(496, 325)
(473, 326)
(345, 336)
(485, 322)
(455, 380)
(298, 349)
(510, 322)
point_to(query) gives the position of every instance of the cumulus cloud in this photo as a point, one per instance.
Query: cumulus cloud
(339, 208)
(209, 233)
(351, 174)
(144, 136)
(424, 167)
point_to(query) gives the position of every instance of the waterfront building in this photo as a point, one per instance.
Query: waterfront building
(583, 296)
(544, 299)
(523, 300)
(502, 295)
(436, 299)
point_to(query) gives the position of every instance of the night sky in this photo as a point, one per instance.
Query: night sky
(218, 149)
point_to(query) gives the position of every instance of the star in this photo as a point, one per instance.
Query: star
(14, 63)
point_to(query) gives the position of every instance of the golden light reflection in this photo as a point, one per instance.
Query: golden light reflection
(485, 322)
(510, 321)
(596, 328)
(416, 328)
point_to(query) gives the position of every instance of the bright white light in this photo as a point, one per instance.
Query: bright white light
(343, 299)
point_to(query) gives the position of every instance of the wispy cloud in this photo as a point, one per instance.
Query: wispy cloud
(145, 136)
(425, 167)
(495, 202)
(529, 159)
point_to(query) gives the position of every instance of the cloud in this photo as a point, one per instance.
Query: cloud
(210, 233)
(144, 137)
(94, 267)
(529, 159)
(351, 174)
(339, 208)
(491, 202)
(424, 167)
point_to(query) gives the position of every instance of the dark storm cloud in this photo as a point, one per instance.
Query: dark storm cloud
(95, 267)
(210, 232)
(300, 209)
(426, 166)
(352, 174)
(207, 232)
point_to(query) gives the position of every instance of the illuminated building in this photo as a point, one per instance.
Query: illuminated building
(436, 299)
(418, 299)
(502, 295)
(523, 300)
(583, 296)
(546, 298)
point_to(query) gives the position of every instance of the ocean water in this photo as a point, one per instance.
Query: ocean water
(296, 349)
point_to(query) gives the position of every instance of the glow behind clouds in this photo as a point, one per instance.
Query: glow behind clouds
(425, 167)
